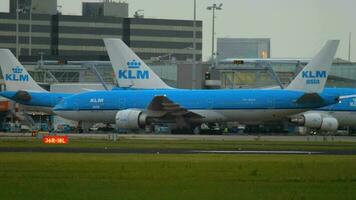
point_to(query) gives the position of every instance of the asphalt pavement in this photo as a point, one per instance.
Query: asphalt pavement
(164, 151)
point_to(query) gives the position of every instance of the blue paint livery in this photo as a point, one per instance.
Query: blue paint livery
(40, 99)
(194, 99)
(223, 99)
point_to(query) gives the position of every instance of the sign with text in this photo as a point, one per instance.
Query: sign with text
(48, 139)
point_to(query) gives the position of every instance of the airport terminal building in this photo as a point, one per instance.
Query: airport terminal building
(70, 37)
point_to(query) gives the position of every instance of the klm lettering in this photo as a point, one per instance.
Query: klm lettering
(99, 100)
(313, 77)
(133, 74)
(16, 77)
(316, 74)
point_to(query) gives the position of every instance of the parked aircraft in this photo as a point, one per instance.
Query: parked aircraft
(21, 88)
(131, 109)
(328, 118)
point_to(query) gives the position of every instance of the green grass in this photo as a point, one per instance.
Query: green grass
(186, 144)
(157, 176)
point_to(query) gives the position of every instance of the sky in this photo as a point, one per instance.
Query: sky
(297, 28)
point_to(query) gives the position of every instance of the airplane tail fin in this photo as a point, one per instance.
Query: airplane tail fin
(313, 77)
(130, 70)
(15, 75)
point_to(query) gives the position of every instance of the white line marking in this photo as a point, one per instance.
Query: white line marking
(259, 152)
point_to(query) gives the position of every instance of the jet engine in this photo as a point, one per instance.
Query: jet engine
(130, 119)
(317, 121)
(329, 124)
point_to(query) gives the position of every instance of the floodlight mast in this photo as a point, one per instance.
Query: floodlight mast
(213, 8)
(17, 29)
(194, 45)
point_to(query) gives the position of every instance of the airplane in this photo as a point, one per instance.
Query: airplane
(21, 88)
(328, 118)
(132, 109)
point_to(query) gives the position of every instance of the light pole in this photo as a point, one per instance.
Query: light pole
(41, 62)
(350, 47)
(213, 8)
(17, 29)
(194, 45)
(30, 32)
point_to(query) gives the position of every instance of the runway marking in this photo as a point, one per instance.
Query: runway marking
(256, 152)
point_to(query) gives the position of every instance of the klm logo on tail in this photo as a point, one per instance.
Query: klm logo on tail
(312, 74)
(17, 75)
(313, 77)
(133, 71)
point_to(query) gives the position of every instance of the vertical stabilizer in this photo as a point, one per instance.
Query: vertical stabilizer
(130, 70)
(15, 75)
(313, 77)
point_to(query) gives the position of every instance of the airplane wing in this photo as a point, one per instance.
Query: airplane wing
(347, 96)
(161, 106)
(22, 96)
(309, 98)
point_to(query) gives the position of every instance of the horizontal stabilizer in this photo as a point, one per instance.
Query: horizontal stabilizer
(347, 97)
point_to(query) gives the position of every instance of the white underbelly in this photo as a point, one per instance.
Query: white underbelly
(246, 115)
(243, 116)
(97, 116)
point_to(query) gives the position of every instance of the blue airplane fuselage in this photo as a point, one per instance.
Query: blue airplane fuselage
(213, 105)
(99, 102)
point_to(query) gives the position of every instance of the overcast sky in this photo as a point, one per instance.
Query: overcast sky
(297, 28)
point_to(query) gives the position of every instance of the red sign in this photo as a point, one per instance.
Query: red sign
(48, 139)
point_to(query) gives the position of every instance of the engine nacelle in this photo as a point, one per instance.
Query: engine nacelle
(312, 120)
(130, 119)
(317, 121)
(329, 124)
